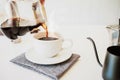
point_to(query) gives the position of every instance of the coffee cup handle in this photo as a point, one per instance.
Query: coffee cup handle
(67, 44)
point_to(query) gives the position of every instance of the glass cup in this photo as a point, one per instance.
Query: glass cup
(114, 34)
(23, 16)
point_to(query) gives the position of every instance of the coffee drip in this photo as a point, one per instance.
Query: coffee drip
(16, 26)
(36, 7)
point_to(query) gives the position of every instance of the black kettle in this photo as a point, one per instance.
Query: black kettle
(111, 67)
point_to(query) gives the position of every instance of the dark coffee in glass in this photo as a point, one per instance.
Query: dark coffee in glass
(15, 27)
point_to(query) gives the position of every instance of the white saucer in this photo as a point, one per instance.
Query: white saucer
(60, 57)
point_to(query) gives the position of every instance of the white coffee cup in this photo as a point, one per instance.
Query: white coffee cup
(49, 48)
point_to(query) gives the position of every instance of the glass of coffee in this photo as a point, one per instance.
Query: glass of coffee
(23, 16)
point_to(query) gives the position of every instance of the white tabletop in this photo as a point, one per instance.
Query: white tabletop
(86, 67)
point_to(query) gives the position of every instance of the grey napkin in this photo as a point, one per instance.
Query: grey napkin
(53, 71)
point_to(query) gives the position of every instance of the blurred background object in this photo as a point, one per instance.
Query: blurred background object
(2, 14)
(2, 10)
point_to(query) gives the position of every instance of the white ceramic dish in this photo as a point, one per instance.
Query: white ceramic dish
(62, 56)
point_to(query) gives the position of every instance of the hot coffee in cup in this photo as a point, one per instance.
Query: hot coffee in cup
(49, 46)
(48, 38)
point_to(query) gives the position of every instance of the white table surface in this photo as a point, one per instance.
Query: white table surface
(86, 67)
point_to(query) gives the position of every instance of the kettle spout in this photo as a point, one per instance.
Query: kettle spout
(96, 53)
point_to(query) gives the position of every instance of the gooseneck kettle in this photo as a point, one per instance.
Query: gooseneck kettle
(111, 67)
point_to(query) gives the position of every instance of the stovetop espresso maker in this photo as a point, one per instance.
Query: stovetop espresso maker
(114, 34)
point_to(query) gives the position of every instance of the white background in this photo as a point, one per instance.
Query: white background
(74, 19)
(83, 12)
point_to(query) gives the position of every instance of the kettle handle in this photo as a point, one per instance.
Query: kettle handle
(96, 53)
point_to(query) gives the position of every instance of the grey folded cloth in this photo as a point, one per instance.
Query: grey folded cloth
(53, 71)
